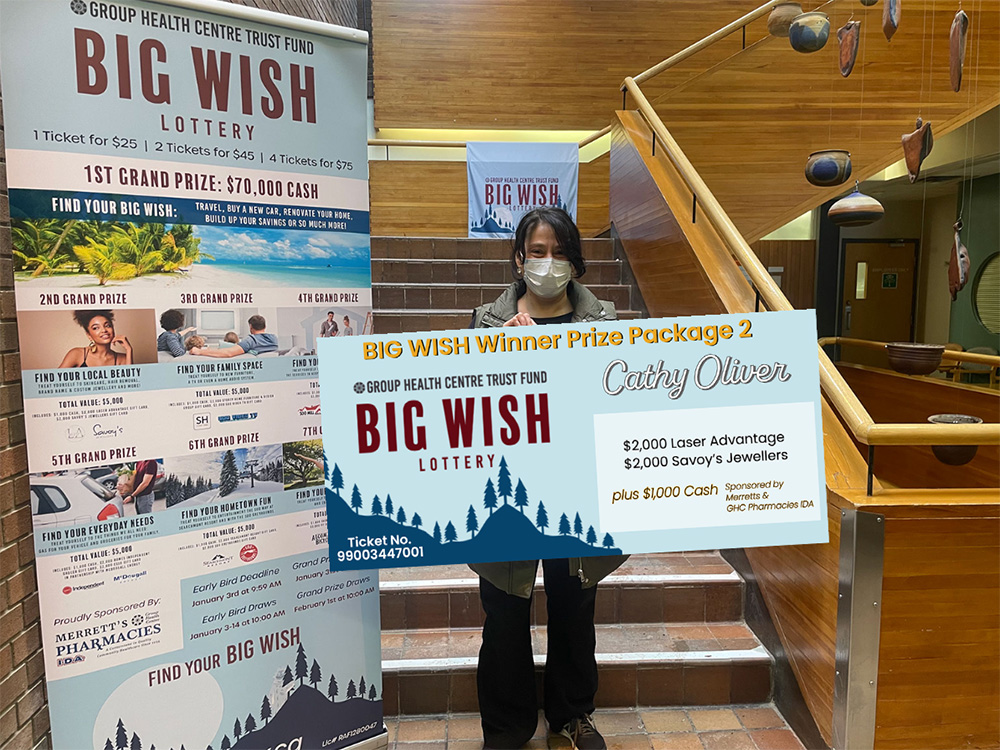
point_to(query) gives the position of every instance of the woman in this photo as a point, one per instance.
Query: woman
(100, 328)
(546, 258)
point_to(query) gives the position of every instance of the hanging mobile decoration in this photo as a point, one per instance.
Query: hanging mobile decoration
(856, 209)
(890, 17)
(958, 264)
(809, 32)
(828, 167)
(959, 30)
(916, 147)
(781, 18)
(849, 36)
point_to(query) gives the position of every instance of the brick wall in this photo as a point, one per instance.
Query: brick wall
(24, 717)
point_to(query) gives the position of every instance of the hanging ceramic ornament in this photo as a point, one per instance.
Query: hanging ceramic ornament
(809, 32)
(828, 167)
(890, 17)
(958, 264)
(855, 210)
(848, 36)
(781, 18)
(959, 30)
(916, 146)
(868, 3)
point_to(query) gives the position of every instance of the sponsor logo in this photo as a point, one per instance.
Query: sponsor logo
(307, 410)
(216, 561)
(238, 417)
(138, 620)
(103, 431)
(74, 433)
(67, 660)
(202, 420)
(248, 553)
(84, 587)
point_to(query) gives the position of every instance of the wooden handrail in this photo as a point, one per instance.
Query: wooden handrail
(462, 144)
(421, 144)
(708, 41)
(979, 359)
(843, 400)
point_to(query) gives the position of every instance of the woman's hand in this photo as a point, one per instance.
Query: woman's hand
(123, 343)
(521, 319)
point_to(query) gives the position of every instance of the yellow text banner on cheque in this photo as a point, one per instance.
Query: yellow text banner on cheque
(565, 441)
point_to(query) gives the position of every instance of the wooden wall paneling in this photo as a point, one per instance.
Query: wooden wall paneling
(528, 64)
(749, 124)
(682, 267)
(799, 584)
(892, 397)
(798, 258)
(939, 649)
(430, 198)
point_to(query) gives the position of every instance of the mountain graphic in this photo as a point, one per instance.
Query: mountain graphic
(310, 715)
(494, 221)
(506, 534)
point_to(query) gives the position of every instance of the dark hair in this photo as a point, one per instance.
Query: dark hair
(257, 322)
(171, 320)
(83, 317)
(567, 235)
(330, 312)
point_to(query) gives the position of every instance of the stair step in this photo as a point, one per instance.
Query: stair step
(669, 588)
(409, 321)
(466, 271)
(450, 296)
(468, 248)
(755, 725)
(434, 671)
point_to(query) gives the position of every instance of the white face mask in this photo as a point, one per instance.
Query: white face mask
(547, 277)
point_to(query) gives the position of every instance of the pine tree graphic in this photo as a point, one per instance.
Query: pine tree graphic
(541, 517)
(471, 522)
(489, 496)
(503, 481)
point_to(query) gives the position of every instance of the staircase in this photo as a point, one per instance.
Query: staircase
(670, 633)
(432, 284)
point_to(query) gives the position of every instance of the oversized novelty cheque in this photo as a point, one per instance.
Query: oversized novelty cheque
(564, 441)
(189, 208)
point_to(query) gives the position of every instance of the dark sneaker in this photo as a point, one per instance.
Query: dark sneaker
(583, 734)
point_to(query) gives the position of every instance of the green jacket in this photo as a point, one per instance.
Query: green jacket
(518, 578)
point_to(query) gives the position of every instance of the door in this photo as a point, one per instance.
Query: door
(877, 297)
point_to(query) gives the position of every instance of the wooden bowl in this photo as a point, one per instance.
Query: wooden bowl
(914, 359)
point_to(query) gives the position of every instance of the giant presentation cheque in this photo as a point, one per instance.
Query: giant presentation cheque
(566, 441)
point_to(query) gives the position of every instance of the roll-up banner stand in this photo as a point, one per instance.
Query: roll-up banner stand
(189, 208)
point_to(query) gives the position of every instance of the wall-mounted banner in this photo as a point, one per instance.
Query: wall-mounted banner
(189, 204)
(563, 441)
(506, 180)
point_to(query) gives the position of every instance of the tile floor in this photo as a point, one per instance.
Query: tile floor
(751, 727)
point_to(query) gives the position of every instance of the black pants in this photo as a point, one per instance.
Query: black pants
(508, 702)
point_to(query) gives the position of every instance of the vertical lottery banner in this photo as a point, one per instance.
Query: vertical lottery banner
(189, 207)
(506, 180)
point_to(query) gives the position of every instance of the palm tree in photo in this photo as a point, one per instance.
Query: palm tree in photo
(36, 244)
(101, 259)
(138, 246)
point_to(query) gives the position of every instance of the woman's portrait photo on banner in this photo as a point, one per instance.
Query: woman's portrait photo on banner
(92, 337)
